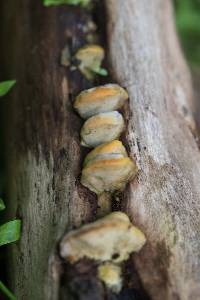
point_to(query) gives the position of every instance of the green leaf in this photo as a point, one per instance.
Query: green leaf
(10, 232)
(6, 291)
(100, 71)
(5, 86)
(72, 2)
(2, 205)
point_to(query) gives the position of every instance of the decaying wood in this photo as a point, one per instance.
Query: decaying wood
(164, 200)
(42, 141)
(43, 148)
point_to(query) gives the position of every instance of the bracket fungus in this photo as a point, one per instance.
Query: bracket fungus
(114, 149)
(109, 241)
(107, 171)
(90, 58)
(102, 128)
(100, 99)
(111, 238)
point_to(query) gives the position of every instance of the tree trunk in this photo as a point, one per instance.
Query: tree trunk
(164, 201)
(42, 142)
(43, 150)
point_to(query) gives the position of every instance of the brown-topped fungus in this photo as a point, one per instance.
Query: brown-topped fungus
(102, 128)
(107, 171)
(90, 58)
(100, 99)
(111, 238)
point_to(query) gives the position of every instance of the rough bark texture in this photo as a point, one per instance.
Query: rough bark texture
(44, 157)
(42, 142)
(164, 200)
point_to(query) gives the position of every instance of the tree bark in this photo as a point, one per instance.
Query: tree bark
(164, 201)
(43, 149)
(42, 141)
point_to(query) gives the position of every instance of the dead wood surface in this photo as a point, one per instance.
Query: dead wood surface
(44, 155)
(164, 201)
(42, 141)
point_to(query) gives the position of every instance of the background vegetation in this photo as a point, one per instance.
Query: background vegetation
(188, 25)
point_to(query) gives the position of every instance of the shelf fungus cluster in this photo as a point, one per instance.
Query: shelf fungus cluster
(109, 241)
(106, 169)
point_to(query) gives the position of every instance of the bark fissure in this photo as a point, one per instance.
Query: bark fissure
(81, 280)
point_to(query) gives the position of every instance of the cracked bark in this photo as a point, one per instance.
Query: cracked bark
(44, 156)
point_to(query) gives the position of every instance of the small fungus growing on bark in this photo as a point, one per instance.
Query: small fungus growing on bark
(103, 239)
(107, 171)
(102, 128)
(90, 58)
(111, 275)
(114, 149)
(100, 99)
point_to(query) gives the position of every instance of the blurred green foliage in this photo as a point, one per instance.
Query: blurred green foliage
(188, 24)
(6, 291)
(72, 2)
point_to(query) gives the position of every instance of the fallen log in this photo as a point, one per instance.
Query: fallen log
(44, 157)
